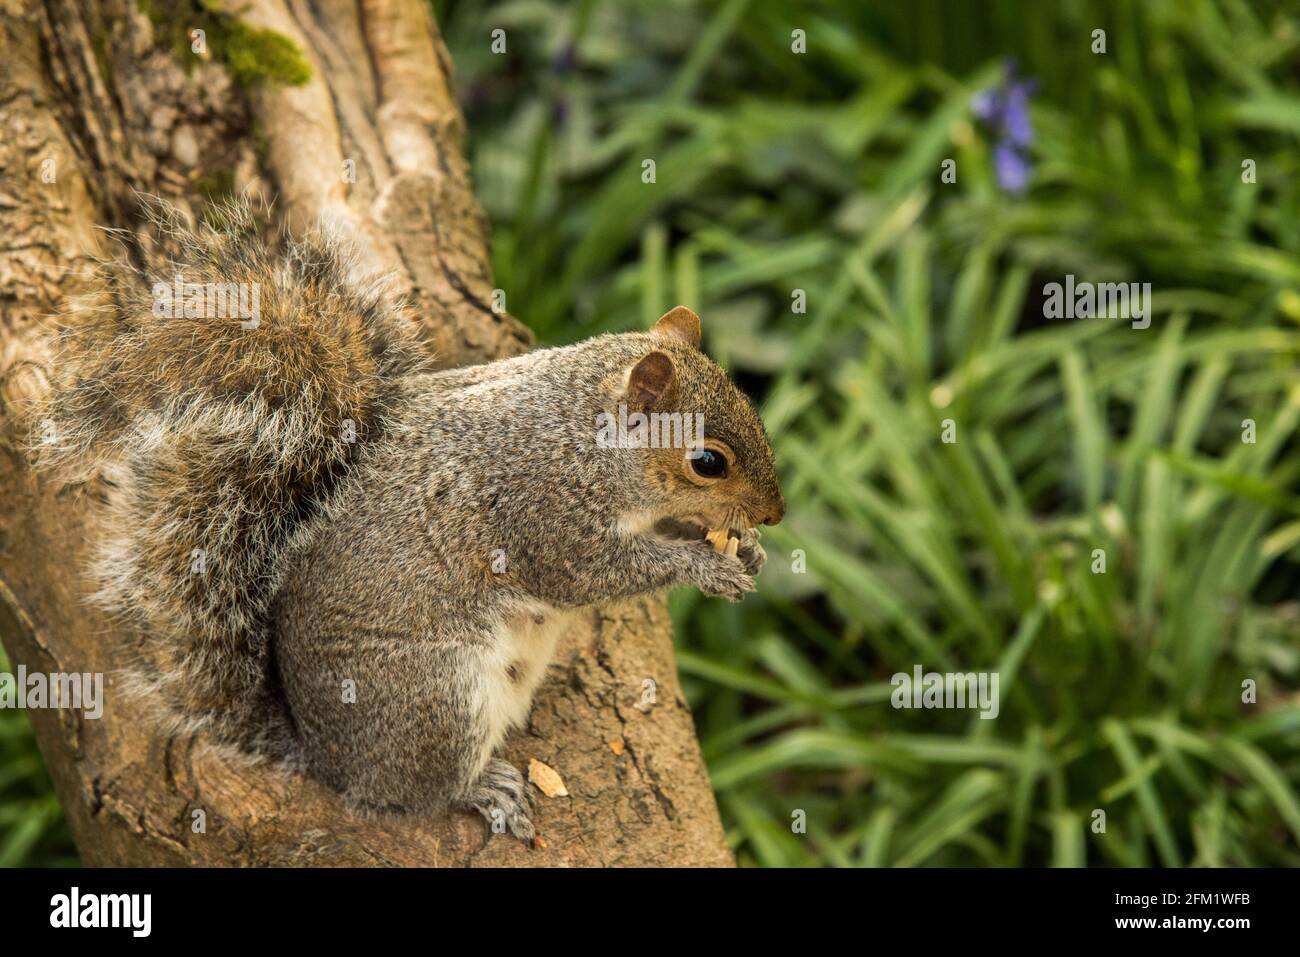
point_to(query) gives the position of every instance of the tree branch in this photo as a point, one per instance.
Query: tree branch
(119, 115)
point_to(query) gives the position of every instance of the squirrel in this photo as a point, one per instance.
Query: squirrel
(344, 560)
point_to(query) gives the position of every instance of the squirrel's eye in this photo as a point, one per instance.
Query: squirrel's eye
(707, 463)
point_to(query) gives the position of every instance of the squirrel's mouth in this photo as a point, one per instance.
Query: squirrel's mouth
(692, 530)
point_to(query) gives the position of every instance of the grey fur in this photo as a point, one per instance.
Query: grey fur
(375, 566)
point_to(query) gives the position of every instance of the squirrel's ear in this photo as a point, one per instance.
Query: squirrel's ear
(681, 324)
(649, 380)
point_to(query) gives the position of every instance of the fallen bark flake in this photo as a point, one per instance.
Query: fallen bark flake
(547, 779)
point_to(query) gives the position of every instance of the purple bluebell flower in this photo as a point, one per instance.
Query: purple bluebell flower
(1006, 109)
(566, 61)
(1015, 114)
(1011, 167)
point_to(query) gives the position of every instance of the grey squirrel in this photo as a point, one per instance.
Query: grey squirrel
(342, 559)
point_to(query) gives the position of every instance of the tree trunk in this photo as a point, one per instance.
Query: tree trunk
(94, 106)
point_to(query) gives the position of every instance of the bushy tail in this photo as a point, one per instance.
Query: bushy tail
(221, 420)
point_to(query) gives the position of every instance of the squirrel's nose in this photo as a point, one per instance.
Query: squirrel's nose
(777, 513)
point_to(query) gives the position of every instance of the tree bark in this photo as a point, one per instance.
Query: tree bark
(93, 108)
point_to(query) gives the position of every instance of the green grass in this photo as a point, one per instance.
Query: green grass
(1121, 691)
(33, 831)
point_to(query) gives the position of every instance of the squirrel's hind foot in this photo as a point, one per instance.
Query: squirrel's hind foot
(501, 795)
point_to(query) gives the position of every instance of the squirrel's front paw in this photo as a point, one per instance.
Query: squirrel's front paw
(751, 553)
(726, 576)
(501, 795)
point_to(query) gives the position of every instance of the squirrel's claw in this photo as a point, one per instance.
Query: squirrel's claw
(723, 575)
(752, 555)
(501, 795)
(743, 545)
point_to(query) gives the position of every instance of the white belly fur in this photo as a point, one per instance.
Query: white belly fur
(525, 647)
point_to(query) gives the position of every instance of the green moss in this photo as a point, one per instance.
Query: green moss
(252, 55)
(257, 56)
(261, 144)
(99, 45)
(217, 185)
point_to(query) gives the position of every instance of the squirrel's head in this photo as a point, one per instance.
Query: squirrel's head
(708, 464)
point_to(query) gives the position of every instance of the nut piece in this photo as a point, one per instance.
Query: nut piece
(547, 779)
(733, 546)
(717, 537)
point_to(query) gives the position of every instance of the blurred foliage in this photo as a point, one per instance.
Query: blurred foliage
(33, 831)
(819, 172)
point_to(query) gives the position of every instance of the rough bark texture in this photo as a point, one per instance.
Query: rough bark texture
(93, 109)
